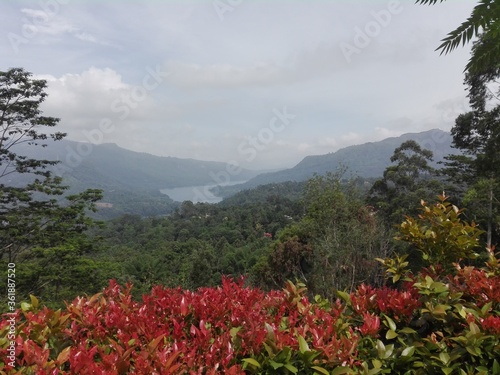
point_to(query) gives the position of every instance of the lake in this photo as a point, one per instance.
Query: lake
(197, 194)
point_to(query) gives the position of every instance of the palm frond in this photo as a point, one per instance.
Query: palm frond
(485, 15)
(428, 2)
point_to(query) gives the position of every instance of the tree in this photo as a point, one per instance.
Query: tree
(332, 246)
(32, 218)
(477, 134)
(405, 183)
(485, 19)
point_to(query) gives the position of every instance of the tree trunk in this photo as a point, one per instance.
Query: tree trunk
(490, 217)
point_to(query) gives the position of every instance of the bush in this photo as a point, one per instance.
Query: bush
(436, 322)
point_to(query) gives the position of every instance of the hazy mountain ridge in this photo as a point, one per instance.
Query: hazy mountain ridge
(109, 166)
(364, 160)
(131, 181)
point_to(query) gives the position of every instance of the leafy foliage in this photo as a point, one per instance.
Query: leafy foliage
(485, 17)
(476, 133)
(440, 235)
(34, 223)
(437, 323)
(405, 183)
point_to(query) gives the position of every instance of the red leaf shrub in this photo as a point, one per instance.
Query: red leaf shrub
(477, 285)
(235, 329)
(399, 303)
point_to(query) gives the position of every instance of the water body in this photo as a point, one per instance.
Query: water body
(197, 194)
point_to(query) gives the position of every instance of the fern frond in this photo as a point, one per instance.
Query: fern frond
(485, 15)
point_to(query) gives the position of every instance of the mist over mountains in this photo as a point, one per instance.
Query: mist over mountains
(131, 181)
(368, 160)
(108, 166)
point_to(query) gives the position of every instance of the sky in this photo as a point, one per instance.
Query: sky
(260, 84)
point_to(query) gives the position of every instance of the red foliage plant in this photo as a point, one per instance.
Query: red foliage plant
(224, 330)
(174, 331)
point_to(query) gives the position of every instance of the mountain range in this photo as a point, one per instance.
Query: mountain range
(133, 179)
(130, 181)
(108, 166)
(368, 160)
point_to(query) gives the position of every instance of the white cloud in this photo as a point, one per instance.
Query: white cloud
(449, 109)
(189, 75)
(83, 100)
(41, 23)
(382, 133)
(350, 137)
(85, 37)
(304, 147)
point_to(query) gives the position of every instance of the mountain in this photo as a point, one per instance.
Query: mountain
(108, 166)
(365, 160)
(131, 181)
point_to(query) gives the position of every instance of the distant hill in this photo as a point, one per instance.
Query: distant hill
(131, 181)
(368, 160)
(108, 166)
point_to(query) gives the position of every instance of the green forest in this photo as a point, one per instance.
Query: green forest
(325, 232)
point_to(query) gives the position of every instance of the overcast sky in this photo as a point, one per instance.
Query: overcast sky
(262, 83)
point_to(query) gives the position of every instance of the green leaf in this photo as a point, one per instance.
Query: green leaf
(407, 330)
(380, 349)
(496, 368)
(486, 308)
(25, 306)
(270, 331)
(303, 347)
(234, 331)
(291, 368)
(391, 334)
(320, 370)
(473, 350)
(341, 370)
(474, 328)
(275, 365)
(270, 349)
(388, 351)
(34, 301)
(390, 323)
(444, 357)
(408, 352)
(440, 310)
(345, 296)
(252, 362)
(376, 363)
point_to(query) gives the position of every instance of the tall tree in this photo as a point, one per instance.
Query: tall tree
(477, 134)
(34, 224)
(485, 20)
(405, 183)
